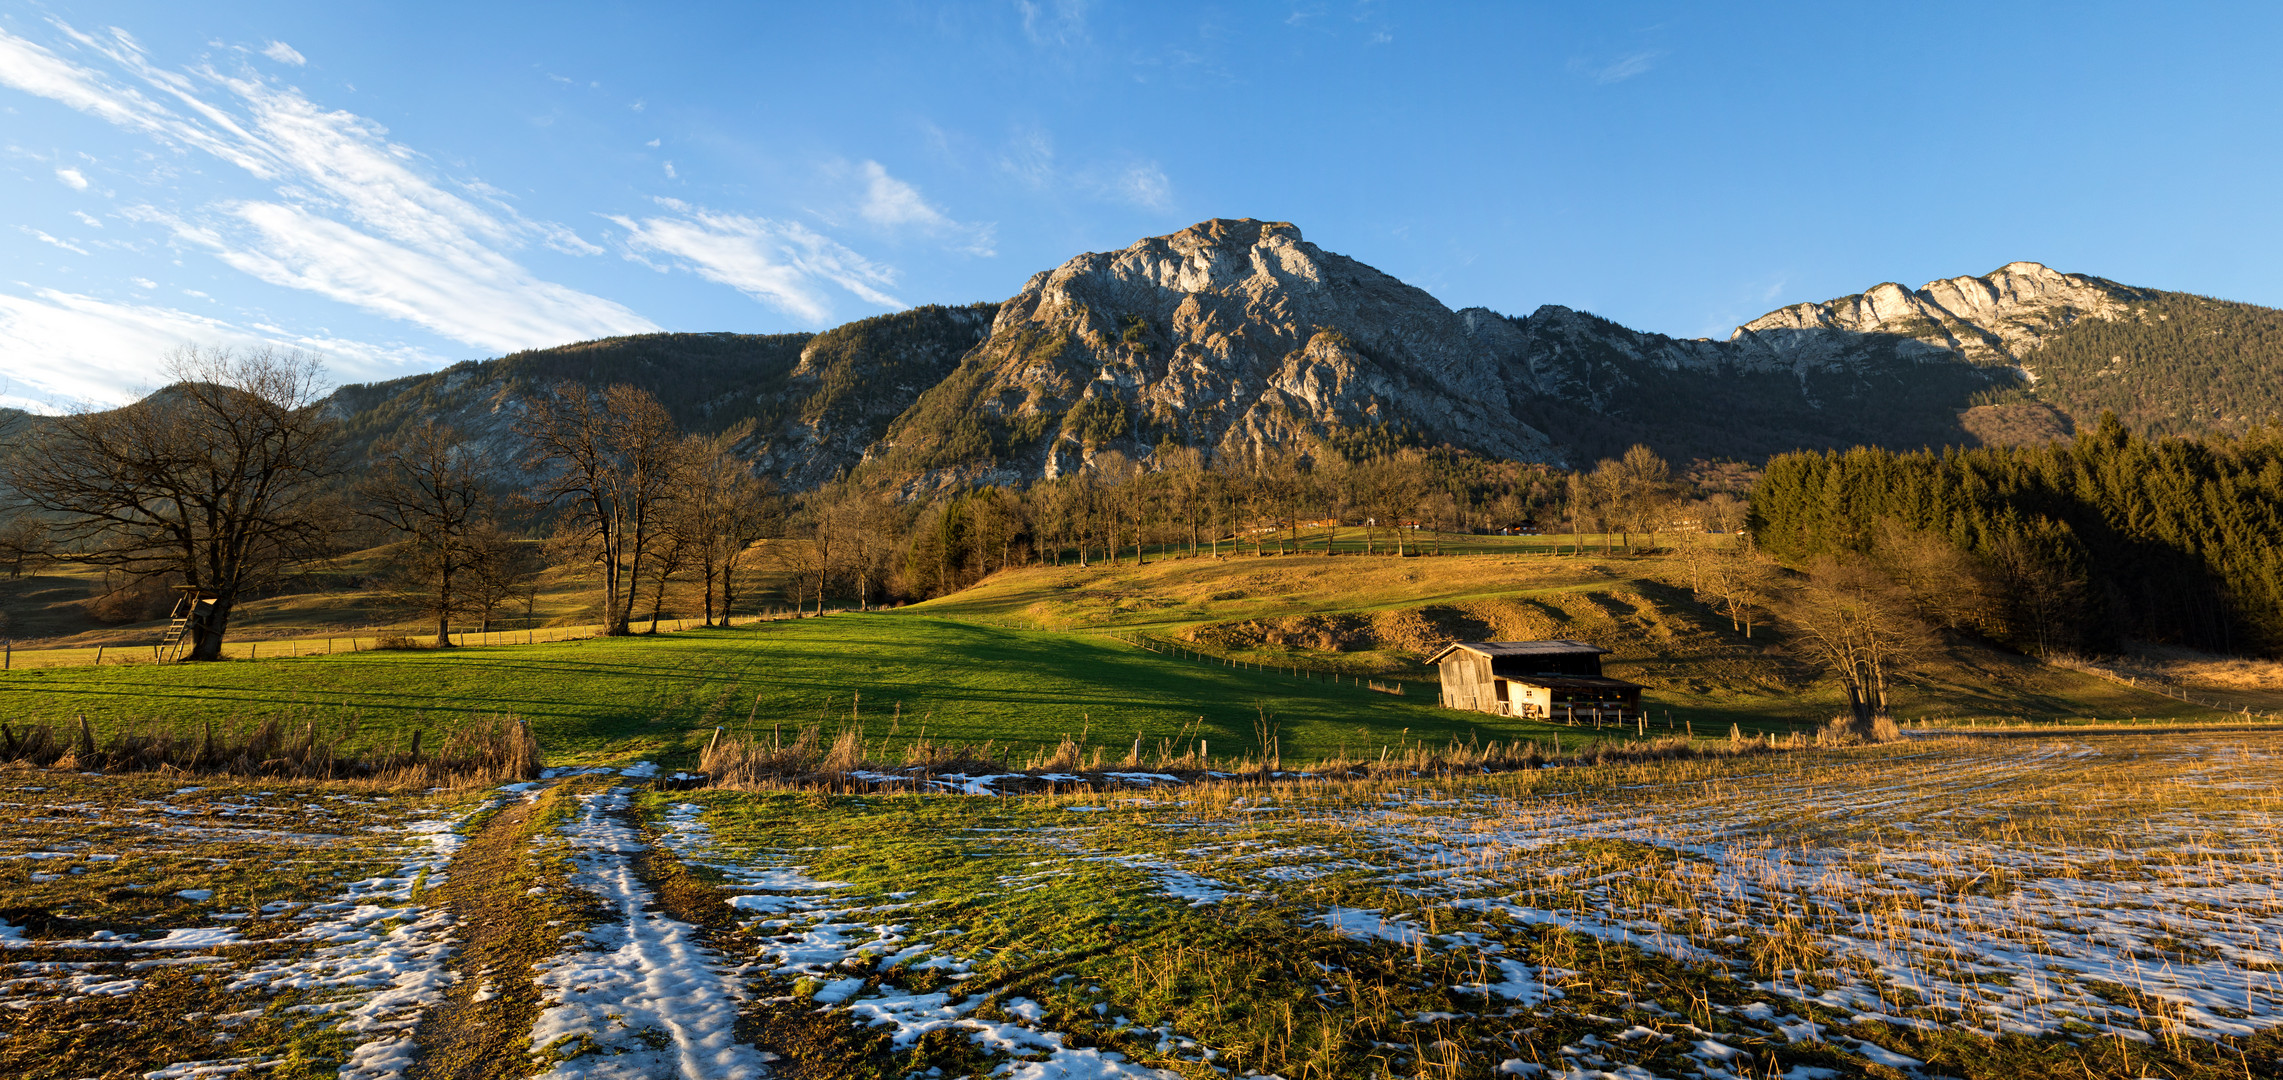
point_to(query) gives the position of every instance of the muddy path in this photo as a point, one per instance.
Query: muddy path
(583, 950)
(507, 897)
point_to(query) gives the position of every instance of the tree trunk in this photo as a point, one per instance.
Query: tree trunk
(207, 621)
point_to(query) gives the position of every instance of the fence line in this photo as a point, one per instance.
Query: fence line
(2177, 692)
(108, 655)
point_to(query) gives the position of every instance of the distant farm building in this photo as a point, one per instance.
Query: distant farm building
(1558, 680)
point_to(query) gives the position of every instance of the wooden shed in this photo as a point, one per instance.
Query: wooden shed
(1558, 680)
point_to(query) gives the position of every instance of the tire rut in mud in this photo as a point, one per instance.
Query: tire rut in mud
(482, 1030)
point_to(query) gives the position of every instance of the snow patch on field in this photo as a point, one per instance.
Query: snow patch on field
(644, 998)
(372, 957)
(1990, 932)
(813, 931)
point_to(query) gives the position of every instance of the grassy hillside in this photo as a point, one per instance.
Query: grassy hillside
(72, 606)
(1381, 617)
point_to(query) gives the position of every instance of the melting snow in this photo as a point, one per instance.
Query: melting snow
(646, 998)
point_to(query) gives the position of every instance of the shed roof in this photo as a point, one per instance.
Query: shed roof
(1494, 649)
(1573, 682)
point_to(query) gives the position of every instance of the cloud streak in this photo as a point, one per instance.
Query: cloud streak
(783, 264)
(893, 204)
(1054, 23)
(101, 352)
(356, 218)
(1626, 67)
(1030, 158)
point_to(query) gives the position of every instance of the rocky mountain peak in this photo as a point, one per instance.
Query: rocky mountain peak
(1994, 319)
(1236, 335)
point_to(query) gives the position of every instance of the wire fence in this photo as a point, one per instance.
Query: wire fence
(373, 640)
(2177, 691)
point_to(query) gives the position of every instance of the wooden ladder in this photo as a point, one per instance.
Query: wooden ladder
(177, 628)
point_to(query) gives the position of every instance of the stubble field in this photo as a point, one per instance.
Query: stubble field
(2104, 905)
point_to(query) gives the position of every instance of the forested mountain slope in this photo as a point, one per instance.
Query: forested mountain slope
(817, 400)
(2170, 364)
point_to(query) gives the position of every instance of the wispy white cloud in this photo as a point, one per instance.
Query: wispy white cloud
(893, 204)
(1624, 67)
(1030, 158)
(781, 263)
(72, 177)
(1055, 23)
(284, 54)
(357, 218)
(107, 353)
(46, 239)
(87, 219)
(467, 293)
(1143, 184)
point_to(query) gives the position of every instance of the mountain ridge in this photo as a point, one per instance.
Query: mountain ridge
(1241, 337)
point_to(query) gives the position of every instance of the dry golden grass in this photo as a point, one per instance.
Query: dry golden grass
(474, 754)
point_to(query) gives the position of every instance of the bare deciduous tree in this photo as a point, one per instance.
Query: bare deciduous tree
(1949, 586)
(430, 487)
(223, 478)
(1740, 583)
(856, 526)
(1862, 627)
(23, 544)
(1644, 492)
(502, 568)
(613, 457)
(724, 511)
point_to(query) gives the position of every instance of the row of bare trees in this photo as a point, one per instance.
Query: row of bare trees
(860, 543)
(641, 502)
(235, 473)
(233, 476)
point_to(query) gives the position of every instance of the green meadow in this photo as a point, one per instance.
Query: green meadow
(898, 676)
(1238, 647)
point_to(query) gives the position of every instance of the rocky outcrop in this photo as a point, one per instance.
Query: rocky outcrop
(1238, 336)
(1998, 318)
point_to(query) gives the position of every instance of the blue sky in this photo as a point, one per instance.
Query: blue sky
(403, 185)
